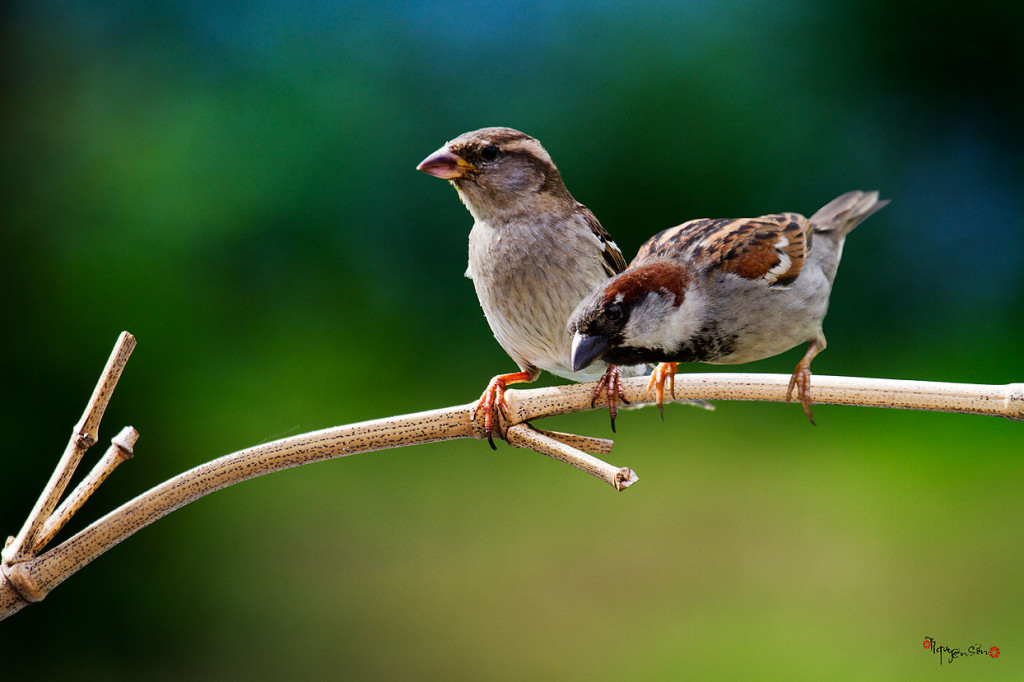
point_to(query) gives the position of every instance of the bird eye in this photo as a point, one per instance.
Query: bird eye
(489, 153)
(613, 313)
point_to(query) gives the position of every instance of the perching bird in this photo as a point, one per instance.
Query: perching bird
(722, 291)
(534, 252)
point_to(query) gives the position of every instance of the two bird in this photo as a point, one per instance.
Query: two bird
(558, 296)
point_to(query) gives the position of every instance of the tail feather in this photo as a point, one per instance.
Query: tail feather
(846, 212)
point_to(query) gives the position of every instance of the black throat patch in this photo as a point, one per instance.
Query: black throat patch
(706, 346)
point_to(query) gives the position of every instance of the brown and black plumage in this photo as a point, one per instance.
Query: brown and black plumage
(722, 291)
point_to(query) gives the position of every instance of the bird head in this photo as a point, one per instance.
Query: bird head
(498, 172)
(642, 315)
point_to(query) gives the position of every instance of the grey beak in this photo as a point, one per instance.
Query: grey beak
(586, 349)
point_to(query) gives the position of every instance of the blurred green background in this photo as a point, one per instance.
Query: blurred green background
(234, 184)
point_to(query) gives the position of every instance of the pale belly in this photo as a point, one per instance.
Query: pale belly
(767, 323)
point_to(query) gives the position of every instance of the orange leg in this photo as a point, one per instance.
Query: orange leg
(611, 384)
(801, 379)
(495, 393)
(664, 371)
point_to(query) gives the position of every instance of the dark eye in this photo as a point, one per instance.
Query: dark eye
(489, 153)
(613, 313)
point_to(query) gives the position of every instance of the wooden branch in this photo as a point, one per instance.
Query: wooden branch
(524, 435)
(982, 399)
(25, 578)
(120, 450)
(82, 438)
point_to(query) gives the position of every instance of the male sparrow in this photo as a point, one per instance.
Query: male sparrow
(534, 252)
(722, 291)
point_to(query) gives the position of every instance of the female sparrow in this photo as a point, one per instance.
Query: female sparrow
(534, 252)
(723, 292)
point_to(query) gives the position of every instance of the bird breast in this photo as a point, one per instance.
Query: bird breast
(529, 278)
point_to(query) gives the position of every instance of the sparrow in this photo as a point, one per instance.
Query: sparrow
(534, 253)
(722, 291)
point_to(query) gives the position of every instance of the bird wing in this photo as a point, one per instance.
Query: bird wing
(614, 261)
(772, 247)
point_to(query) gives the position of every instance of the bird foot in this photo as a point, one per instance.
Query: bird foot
(493, 395)
(801, 381)
(611, 384)
(665, 371)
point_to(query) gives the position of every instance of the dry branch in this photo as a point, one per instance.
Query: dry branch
(83, 436)
(26, 578)
(120, 450)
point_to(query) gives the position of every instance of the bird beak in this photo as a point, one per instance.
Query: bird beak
(445, 164)
(586, 349)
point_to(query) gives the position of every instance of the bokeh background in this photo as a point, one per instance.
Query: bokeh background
(234, 184)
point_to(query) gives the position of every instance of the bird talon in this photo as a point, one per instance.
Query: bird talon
(611, 384)
(495, 394)
(665, 371)
(486, 403)
(801, 381)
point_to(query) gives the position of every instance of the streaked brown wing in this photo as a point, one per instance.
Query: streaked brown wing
(772, 247)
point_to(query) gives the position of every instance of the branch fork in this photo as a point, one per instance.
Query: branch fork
(46, 519)
(514, 427)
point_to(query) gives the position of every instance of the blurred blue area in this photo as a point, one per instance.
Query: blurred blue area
(234, 184)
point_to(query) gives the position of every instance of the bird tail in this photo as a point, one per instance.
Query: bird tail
(846, 212)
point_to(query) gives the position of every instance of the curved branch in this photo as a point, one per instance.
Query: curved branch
(36, 577)
(32, 578)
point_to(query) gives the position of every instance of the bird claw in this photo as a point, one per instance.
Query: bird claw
(611, 384)
(665, 371)
(495, 391)
(801, 381)
(495, 394)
